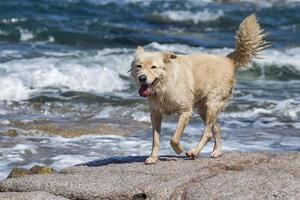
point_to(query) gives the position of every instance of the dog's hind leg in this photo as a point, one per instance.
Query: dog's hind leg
(209, 116)
(217, 152)
(156, 119)
(182, 123)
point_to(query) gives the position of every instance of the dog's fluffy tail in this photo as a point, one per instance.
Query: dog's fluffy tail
(250, 40)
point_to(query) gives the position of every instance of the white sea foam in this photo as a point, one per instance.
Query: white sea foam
(179, 48)
(63, 161)
(78, 78)
(288, 108)
(141, 116)
(196, 17)
(13, 89)
(27, 76)
(287, 57)
(13, 20)
(51, 39)
(247, 114)
(118, 59)
(4, 121)
(113, 111)
(22, 148)
(25, 35)
(137, 113)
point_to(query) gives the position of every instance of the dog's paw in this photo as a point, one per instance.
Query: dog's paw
(192, 154)
(151, 160)
(216, 153)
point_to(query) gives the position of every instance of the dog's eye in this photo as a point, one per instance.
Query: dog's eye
(153, 67)
(139, 66)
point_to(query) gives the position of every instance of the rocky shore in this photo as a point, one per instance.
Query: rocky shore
(235, 175)
(71, 129)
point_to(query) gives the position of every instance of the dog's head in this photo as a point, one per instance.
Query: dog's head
(149, 69)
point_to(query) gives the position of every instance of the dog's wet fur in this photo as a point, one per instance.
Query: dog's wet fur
(176, 84)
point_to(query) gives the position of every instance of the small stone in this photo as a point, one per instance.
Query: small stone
(12, 133)
(41, 170)
(20, 172)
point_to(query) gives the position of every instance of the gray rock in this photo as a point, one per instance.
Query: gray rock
(18, 172)
(235, 175)
(29, 196)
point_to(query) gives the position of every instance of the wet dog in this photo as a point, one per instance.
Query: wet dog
(176, 84)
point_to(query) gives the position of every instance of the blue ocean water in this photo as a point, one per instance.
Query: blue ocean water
(66, 61)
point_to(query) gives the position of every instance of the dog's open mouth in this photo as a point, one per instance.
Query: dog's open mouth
(146, 90)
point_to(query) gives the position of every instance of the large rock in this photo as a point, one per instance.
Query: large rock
(233, 176)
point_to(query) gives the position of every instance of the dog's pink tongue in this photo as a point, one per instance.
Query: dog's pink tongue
(144, 91)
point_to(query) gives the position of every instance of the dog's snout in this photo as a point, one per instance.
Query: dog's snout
(143, 78)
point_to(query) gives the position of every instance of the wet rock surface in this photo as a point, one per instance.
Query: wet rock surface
(235, 175)
(11, 133)
(20, 172)
(74, 128)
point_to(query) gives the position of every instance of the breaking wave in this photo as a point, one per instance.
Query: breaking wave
(105, 70)
(96, 73)
(195, 17)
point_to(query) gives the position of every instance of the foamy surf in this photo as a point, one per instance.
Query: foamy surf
(26, 77)
(100, 71)
(188, 16)
(13, 88)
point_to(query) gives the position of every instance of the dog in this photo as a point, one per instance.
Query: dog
(176, 84)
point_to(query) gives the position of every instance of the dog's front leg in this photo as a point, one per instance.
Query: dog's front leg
(156, 119)
(182, 122)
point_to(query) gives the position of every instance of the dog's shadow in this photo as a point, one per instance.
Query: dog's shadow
(129, 159)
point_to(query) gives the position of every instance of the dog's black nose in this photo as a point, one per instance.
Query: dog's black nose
(143, 78)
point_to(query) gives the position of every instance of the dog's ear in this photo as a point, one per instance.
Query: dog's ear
(139, 50)
(168, 56)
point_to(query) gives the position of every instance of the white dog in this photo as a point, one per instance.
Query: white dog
(178, 83)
